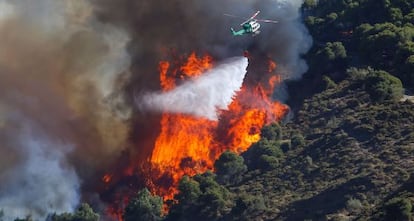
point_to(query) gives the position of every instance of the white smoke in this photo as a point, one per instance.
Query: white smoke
(42, 181)
(202, 96)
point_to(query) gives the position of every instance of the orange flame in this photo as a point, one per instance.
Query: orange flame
(166, 82)
(190, 145)
(181, 136)
(187, 145)
(272, 66)
(107, 178)
(196, 66)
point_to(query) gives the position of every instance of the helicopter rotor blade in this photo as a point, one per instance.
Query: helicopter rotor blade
(251, 18)
(254, 16)
(234, 16)
(267, 21)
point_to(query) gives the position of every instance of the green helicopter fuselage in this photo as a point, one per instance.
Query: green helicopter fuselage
(250, 27)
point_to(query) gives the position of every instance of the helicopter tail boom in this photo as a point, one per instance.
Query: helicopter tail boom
(237, 33)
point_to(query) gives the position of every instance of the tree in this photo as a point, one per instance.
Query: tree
(332, 17)
(398, 209)
(215, 200)
(229, 168)
(405, 62)
(247, 204)
(409, 71)
(189, 190)
(309, 4)
(327, 83)
(396, 15)
(378, 43)
(382, 86)
(83, 213)
(263, 155)
(28, 218)
(186, 203)
(334, 51)
(144, 207)
(200, 198)
(62, 217)
(272, 132)
(285, 146)
(358, 75)
(267, 162)
(297, 140)
(354, 206)
(330, 57)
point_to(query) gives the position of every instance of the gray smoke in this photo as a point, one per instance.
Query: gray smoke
(157, 25)
(39, 180)
(201, 96)
(68, 69)
(62, 116)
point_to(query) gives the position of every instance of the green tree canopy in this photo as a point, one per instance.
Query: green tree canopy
(200, 198)
(297, 140)
(144, 207)
(229, 168)
(271, 132)
(263, 155)
(83, 213)
(383, 86)
(398, 209)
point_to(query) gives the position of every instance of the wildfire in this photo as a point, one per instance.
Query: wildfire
(107, 178)
(196, 66)
(187, 145)
(183, 144)
(190, 145)
(271, 66)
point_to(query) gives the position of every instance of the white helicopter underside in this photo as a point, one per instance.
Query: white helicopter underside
(255, 26)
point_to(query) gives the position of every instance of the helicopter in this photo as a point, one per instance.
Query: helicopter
(250, 26)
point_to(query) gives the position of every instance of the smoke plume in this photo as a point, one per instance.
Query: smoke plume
(202, 96)
(185, 26)
(71, 72)
(33, 183)
(61, 116)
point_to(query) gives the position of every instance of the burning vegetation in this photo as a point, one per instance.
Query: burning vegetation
(186, 144)
(109, 107)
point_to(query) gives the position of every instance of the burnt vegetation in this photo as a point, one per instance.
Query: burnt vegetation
(348, 152)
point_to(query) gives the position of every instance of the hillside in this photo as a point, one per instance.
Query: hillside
(345, 155)
(356, 156)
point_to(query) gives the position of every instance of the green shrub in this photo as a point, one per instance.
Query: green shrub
(354, 206)
(247, 204)
(297, 141)
(327, 83)
(267, 162)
